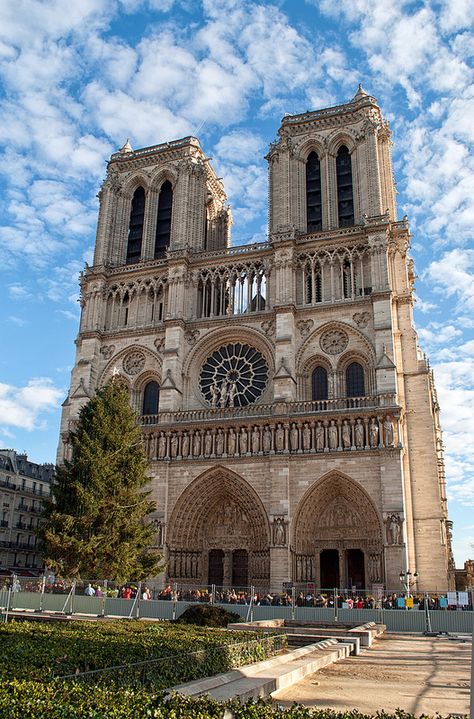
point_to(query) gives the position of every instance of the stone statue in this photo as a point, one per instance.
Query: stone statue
(214, 394)
(306, 436)
(267, 439)
(374, 567)
(219, 442)
(388, 431)
(255, 440)
(162, 445)
(174, 445)
(319, 436)
(294, 444)
(231, 443)
(332, 435)
(393, 528)
(373, 432)
(279, 531)
(232, 393)
(346, 435)
(243, 438)
(197, 443)
(208, 443)
(359, 434)
(279, 438)
(223, 394)
(185, 445)
(159, 532)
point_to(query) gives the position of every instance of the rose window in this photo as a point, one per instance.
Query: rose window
(334, 342)
(233, 376)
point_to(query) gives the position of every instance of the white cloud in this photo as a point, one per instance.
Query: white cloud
(17, 320)
(24, 407)
(453, 276)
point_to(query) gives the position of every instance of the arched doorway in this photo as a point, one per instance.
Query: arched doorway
(219, 533)
(336, 529)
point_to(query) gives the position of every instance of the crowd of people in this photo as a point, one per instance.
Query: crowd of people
(300, 597)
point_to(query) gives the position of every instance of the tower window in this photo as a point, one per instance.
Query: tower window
(313, 193)
(345, 198)
(151, 396)
(135, 230)
(319, 384)
(355, 385)
(163, 221)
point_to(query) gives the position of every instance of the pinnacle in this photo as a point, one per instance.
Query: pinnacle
(126, 147)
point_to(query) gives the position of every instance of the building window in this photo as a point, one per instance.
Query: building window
(151, 397)
(163, 221)
(355, 385)
(319, 384)
(345, 199)
(135, 230)
(313, 193)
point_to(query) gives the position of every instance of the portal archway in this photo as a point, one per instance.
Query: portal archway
(337, 536)
(219, 533)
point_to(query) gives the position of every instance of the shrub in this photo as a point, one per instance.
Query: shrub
(206, 615)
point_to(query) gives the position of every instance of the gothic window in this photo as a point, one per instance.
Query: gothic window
(125, 309)
(313, 193)
(163, 220)
(319, 384)
(135, 229)
(151, 396)
(355, 384)
(235, 375)
(312, 284)
(345, 199)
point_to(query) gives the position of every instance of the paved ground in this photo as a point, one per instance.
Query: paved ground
(417, 674)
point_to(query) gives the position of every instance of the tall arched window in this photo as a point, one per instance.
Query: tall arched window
(313, 193)
(151, 395)
(135, 228)
(355, 384)
(345, 198)
(319, 384)
(163, 220)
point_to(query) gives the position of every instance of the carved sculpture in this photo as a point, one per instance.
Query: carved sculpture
(388, 431)
(279, 531)
(393, 525)
(359, 434)
(346, 435)
(332, 435)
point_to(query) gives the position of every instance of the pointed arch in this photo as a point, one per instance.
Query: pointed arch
(336, 508)
(216, 488)
(314, 221)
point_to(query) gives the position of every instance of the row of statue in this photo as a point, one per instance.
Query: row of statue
(272, 438)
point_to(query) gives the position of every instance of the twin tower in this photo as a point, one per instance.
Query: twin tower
(289, 416)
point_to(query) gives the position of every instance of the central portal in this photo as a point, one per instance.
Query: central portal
(329, 568)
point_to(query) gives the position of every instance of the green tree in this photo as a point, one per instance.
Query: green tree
(95, 524)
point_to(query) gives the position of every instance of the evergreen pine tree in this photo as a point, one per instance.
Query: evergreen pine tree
(95, 524)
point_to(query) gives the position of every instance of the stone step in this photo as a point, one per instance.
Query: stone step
(263, 678)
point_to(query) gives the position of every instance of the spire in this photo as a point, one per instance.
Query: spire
(127, 147)
(361, 93)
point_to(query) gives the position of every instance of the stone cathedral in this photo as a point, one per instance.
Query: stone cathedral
(289, 416)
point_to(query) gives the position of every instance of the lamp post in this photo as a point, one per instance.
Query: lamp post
(408, 579)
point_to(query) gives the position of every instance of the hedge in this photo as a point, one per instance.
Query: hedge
(55, 700)
(159, 655)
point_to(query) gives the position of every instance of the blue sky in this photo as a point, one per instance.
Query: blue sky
(78, 78)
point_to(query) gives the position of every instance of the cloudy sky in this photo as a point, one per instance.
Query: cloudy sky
(78, 78)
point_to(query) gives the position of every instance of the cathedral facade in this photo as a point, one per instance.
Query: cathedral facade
(289, 416)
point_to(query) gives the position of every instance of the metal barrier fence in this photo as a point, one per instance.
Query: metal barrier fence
(400, 612)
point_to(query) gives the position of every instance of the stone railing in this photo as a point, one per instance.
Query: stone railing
(338, 434)
(282, 409)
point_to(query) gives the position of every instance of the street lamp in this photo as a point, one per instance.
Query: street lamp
(408, 579)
